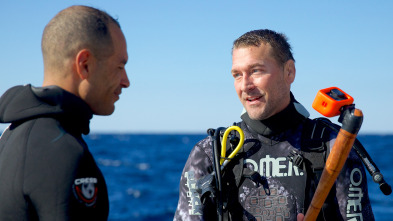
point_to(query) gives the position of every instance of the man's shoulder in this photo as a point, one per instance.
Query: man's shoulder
(320, 128)
(203, 146)
(47, 135)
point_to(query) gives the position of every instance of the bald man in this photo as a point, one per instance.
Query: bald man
(46, 169)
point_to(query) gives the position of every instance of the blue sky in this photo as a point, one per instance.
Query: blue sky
(180, 56)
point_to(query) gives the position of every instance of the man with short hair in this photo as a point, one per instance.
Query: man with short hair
(46, 169)
(263, 181)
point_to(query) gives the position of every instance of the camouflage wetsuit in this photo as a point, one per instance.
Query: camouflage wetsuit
(290, 188)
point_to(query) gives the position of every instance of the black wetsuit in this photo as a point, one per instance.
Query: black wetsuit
(285, 189)
(46, 169)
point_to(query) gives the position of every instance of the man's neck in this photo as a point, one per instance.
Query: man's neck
(278, 123)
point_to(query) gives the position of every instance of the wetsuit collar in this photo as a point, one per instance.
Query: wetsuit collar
(73, 113)
(291, 116)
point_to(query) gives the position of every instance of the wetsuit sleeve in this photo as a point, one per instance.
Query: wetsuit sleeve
(189, 206)
(352, 191)
(52, 160)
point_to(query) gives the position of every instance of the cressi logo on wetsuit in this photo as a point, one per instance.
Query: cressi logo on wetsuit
(85, 190)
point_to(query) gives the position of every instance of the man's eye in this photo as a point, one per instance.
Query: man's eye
(236, 75)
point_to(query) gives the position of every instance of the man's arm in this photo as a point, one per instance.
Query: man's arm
(51, 165)
(352, 190)
(189, 206)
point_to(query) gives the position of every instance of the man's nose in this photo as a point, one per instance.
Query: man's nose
(125, 82)
(247, 83)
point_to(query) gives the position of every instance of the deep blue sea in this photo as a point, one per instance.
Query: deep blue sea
(142, 172)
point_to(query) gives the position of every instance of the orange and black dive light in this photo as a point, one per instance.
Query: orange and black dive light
(331, 102)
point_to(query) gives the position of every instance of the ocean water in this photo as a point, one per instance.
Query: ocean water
(142, 172)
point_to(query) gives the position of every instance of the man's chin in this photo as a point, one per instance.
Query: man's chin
(254, 116)
(105, 112)
(257, 113)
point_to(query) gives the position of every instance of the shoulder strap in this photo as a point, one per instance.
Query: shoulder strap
(313, 145)
(314, 150)
(237, 163)
(366, 159)
(235, 173)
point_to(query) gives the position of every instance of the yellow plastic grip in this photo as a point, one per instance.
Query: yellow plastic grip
(225, 160)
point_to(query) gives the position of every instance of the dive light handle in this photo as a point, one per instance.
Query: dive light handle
(350, 121)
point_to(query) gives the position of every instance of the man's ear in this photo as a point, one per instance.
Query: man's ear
(83, 62)
(289, 71)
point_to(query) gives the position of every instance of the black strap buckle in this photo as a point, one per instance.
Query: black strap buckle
(296, 158)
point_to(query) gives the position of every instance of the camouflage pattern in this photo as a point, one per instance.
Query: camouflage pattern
(286, 182)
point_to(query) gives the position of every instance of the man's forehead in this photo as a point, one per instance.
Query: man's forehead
(243, 52)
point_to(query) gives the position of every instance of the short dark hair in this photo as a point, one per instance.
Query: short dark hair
(281, 49)
(75, 28)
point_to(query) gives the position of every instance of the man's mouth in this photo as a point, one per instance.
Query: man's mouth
(117, 95)
(118, 92)
(252, 99)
